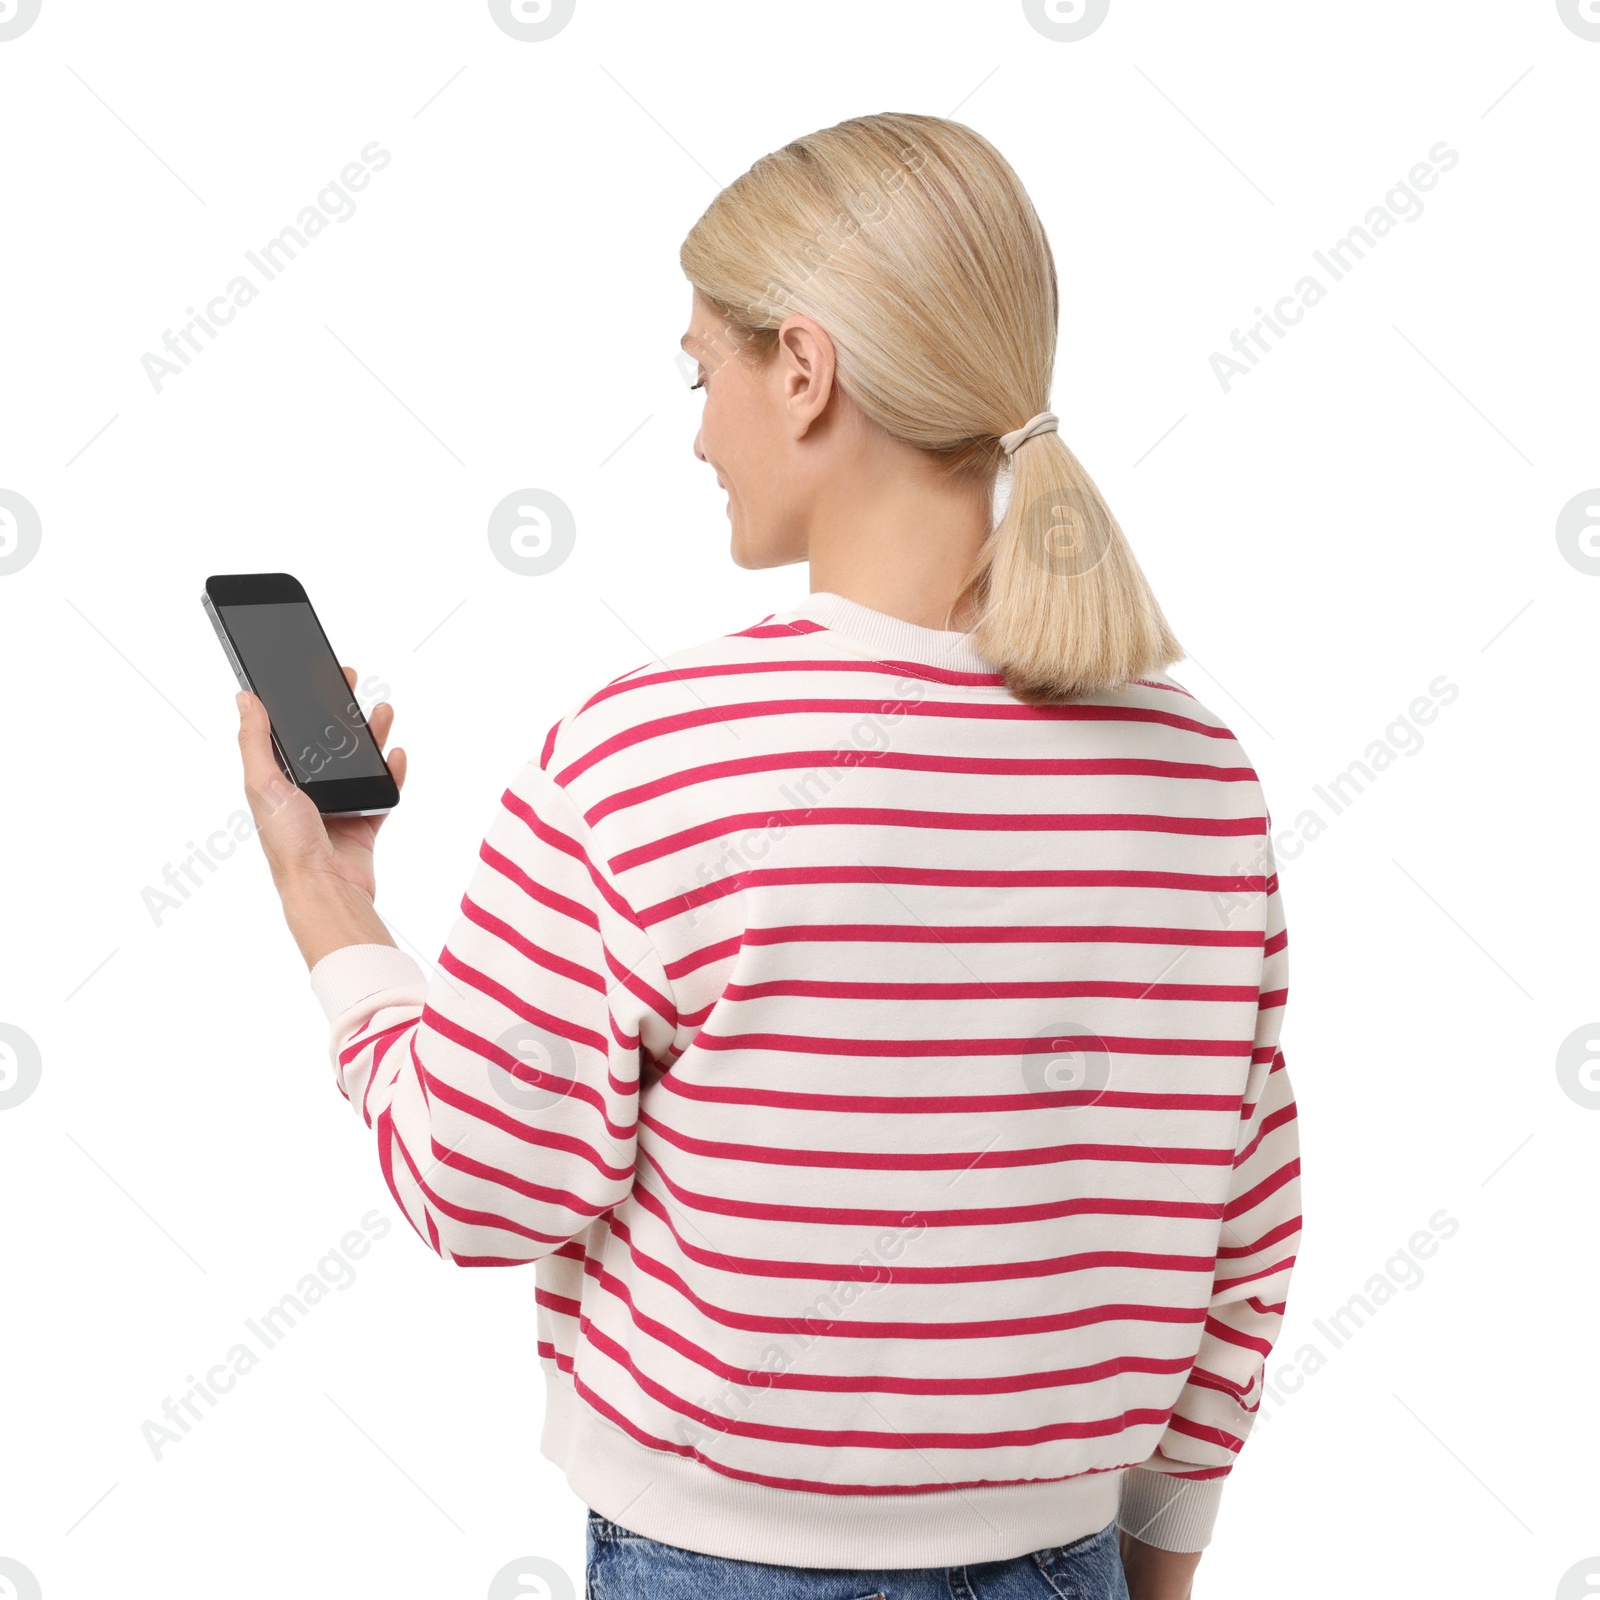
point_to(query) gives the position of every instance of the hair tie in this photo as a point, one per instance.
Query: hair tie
(1045, 422)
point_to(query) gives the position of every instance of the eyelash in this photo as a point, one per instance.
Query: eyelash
(700, 385)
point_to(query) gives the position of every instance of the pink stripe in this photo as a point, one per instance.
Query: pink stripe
(372, 1072)
(558, 840)
(1188, 1473)
(1065, 989)
(871, 1382)
(949, 878)
(833, 665)
(1020, 1046)
(886, 1217)
(1269, 1185)
(477, 1219)
(509, 870)
(1276, 1120)
(703, 957)
(869, 1438)
(899, 1273)
(548, 959)
(548, 1020)
(986, 766)
(610, 687)
(361, 1041)
(807, 1485)
(857, 1328)
(387, 1140)
(954, 821)
(566, 1199)
(1287, 1229)
(921, 933)
(998, 711)
(1195, 1430)
(778, 630)
(503, 1120)
(936, 1160)
(955, 1105)
(1228, 1285)
(629, 978)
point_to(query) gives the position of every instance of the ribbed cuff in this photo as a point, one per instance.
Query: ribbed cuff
(344, 978)
(1170, 1513)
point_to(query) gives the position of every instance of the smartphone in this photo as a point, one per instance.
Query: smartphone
(280, 653)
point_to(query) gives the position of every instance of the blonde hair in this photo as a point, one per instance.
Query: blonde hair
(913, 243)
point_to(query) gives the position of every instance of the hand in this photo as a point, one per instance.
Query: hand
(1155, 1574)
(322, 866)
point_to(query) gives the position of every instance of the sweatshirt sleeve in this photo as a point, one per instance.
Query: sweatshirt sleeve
(1171, 1500)
(503, 1090)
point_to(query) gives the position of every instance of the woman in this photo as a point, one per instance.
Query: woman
(867, 1020)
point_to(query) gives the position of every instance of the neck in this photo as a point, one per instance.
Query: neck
(899, 538)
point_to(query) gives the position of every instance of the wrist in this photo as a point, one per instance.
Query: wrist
(325, 912)
(1156, 1574)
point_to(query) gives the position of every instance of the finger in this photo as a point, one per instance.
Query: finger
(397, 770)
(380, 721)
(264, 782)
(349, 675)
(255, 740)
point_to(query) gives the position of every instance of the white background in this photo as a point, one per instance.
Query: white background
(1372, 507)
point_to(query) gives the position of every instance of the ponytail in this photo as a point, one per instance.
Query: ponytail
(1063, 607)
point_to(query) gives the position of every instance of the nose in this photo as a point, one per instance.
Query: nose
(699, 454)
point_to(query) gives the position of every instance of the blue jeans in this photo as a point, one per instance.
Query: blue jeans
(627, 1566)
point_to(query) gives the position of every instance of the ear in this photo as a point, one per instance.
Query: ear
(806, 371)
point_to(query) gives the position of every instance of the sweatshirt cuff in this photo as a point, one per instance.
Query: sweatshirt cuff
(343, 978)
(1170, 1513)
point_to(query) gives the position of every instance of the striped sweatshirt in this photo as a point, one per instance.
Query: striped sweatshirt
(884, 1075)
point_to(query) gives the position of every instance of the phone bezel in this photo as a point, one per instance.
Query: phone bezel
(361, 797)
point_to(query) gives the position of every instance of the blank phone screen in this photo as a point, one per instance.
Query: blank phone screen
(314, 714)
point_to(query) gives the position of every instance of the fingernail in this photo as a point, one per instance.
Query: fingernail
(238, 699)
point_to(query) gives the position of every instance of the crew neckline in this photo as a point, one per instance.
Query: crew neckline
(884, 636)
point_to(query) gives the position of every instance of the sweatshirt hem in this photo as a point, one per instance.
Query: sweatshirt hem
(679, 1501)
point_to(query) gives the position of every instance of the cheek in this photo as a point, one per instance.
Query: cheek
(720, 434)
(710, 426)
(730, 421)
